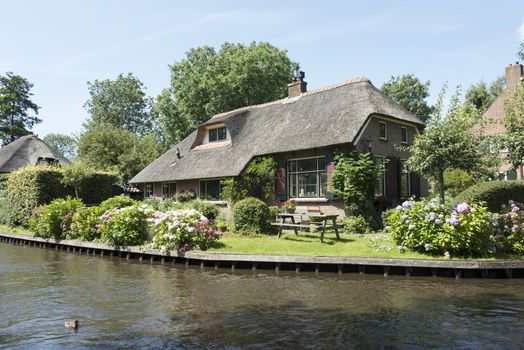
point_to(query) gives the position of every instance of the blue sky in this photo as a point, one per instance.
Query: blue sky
(60, 45)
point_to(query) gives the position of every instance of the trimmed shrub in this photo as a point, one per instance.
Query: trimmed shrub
(250, 215)
(85, 223)
(356, 225)
(493, 193)
(125, 226)
(430, 228)
(209, 210)
(183, 230)
(456, 181)
(30, 187)
(54, 219)
(273, 211)
(121, 201)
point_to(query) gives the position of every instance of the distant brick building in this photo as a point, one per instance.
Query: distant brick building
(492, 121)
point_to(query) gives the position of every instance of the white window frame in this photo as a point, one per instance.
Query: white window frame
(296, 174)
(147, 193)
(169, 189)
(383, 173)
(216, 128)
(219, 190)
(385, 129)
(406, 141)
(403, 171)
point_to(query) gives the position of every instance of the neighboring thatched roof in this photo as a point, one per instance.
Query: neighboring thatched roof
(25, 151)
(319, 118)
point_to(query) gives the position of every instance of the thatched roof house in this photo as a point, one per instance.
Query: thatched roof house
(307, 126)
(28, 150)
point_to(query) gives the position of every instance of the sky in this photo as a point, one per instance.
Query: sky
(61, 45)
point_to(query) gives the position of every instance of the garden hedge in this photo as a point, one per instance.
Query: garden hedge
(494, 193)
(30, 187)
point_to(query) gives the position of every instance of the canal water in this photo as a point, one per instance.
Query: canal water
(121, 304)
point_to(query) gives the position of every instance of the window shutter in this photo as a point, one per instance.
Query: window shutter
(281, 180)
(330, 166)
(415, 184)
(393, 178)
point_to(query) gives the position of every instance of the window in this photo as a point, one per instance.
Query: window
(307, 177)
(403, 134)
(382, 130)
(168, 189)
(404, 180)
(217, 134)
(148, 190)
(380, 187)
(210, 190)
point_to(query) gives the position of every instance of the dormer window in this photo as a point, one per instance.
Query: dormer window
(218, 134)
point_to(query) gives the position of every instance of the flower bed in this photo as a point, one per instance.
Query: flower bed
(465, 229)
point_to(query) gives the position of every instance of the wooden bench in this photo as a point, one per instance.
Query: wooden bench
(322, 224)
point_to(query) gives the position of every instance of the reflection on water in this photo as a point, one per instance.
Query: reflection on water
(122, 304)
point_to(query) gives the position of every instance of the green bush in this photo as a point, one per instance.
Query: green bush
(493, 193)
(124, 227)
(356, 225)
(54, 219)
(456, 181)
(120, 201)
(30, 187)
(85, 224)
(209, 210)
(509, 232)
(273, 211)
(250, 215)
(431, 228)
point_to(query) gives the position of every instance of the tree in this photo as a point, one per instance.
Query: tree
(409, 92)
(480, 96)
(520, 53)
(175, 126)
(64, 144)
(106, 147)
(121, 103)
(75, 174)
(447, 143)
(207, 82)
(15, 107)
(354, 179)
(513, 138)
(257, 180)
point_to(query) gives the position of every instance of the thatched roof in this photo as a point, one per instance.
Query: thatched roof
(26, 151)
(329, 116)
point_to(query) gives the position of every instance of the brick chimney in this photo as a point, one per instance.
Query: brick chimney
(513, 75)
(298, 85)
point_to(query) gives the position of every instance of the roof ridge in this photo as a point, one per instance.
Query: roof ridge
(307, 93)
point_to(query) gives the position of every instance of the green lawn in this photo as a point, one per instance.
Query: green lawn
(372, 245)
(18, 230)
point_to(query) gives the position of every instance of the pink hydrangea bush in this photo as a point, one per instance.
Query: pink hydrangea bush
(182, 229)
(509, 229)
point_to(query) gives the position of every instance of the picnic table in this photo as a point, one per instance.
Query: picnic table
(314, 220)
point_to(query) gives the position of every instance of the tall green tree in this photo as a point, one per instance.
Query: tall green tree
(121, 103)
(66, 145)
(480, 95)
(447, 143)
(16, 105)
(513, 138)
(106, 147)
(520, 52)
(409, 92)
(207, 82)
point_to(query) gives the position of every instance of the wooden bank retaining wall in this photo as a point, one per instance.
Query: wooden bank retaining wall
(337, 264)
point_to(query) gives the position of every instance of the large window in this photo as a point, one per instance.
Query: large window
(217, 134)
(148, 190)
(169, 189)
(210, 190)
(404, 180)
(380, 187)
(307, 178)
